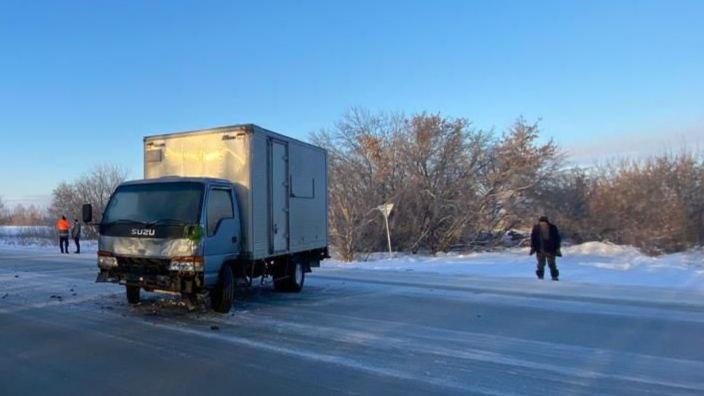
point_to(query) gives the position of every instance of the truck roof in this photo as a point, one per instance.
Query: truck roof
(172, 179)
(246, 128)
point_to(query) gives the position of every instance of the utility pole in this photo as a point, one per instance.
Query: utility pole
(385, 210)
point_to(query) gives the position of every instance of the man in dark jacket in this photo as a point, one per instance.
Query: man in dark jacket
(545, 241)
(76, 235)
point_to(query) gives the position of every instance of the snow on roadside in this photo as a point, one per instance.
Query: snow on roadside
(44, 246)
(37, 238)
(592, 262)
(8, 231)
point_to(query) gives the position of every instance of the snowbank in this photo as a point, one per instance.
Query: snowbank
(44, 246)
(36, 238)
(592, 262)
(8, 231)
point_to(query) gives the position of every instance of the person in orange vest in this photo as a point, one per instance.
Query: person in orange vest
(63, 227)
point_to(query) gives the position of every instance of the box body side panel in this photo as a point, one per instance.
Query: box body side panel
(308, 202)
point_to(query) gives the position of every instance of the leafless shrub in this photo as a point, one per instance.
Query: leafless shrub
(363, 163)
(3, 212)
(449, 182)
(30, 215)
(565, 198)
(656, 204)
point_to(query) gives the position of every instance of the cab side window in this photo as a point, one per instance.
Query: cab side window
(219, 207)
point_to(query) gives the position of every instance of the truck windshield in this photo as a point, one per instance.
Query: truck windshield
(158, 202)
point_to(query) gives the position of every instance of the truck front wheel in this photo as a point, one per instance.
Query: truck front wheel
(132, 294)
(224, 292)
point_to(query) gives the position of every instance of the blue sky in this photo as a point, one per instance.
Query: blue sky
(82, 81)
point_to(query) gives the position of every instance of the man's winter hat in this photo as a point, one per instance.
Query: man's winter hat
(543, 218)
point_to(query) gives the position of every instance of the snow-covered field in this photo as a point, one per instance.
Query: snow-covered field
(35, 237)
(26, 236)
(14, 231)
(592, 262)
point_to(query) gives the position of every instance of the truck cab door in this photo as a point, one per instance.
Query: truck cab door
(222, 231)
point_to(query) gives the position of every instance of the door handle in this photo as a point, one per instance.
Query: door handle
(276, 228)
(234, 239)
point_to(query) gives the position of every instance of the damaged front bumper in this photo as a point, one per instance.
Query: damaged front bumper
(151, 274)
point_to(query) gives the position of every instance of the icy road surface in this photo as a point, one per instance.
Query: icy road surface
(350, 331)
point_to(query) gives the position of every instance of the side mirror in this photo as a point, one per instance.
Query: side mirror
(87, 213)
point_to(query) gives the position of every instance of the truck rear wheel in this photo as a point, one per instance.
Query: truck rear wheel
(293, 278)
(224, 292)
(298, 277)
(132, 294)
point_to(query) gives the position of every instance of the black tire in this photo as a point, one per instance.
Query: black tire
(292, 277)
(224, 293)
(132, 294)
(298, 275)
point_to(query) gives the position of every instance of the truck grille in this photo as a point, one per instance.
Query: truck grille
(143, 266)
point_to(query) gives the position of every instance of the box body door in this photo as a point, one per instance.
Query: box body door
(278, 196)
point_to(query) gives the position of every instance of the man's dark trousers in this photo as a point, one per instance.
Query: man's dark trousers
(550, 259)
(63, 243)
(77, 241)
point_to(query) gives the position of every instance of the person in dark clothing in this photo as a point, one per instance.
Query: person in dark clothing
(545, 240)
(76, 235)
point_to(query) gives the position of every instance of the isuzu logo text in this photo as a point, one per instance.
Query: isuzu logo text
(142, 232)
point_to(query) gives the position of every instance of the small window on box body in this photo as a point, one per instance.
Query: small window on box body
(303, 188)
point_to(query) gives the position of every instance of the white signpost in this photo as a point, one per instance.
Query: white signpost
(385, 210)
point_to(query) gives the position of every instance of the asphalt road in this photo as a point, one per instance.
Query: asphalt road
(349, 331)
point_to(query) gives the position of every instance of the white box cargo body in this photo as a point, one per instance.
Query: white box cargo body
(280, 182)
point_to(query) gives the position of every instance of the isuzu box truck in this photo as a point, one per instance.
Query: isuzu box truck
(216, 209)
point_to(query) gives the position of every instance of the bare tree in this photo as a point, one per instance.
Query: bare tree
(363, 170)
(448, 181)
(30, 215)
(437, 194)
(3, 212)
(95, 188)
(518, 164)
(454, 187)
(565, 198)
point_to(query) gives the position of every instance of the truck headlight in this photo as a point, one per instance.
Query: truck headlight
(106, 260)
(186, 264)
